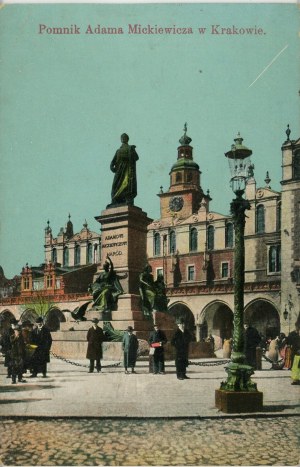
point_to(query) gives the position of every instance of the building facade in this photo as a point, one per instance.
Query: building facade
(193, 248)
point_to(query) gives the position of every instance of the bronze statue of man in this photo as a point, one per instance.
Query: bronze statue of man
(124, 187)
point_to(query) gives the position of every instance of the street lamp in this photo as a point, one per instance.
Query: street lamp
(238, 393)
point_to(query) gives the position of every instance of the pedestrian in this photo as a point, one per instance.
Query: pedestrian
(130, 347)
(17, 355)
(6, 346)
(181, 341)
(157, 340)
(27, 328)
(41, 337)
(95, 337)
(251, 341)
(293, 342)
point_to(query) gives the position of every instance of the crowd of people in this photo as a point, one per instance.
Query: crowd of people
(26, 347)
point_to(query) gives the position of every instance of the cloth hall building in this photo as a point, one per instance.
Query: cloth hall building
(193, 247)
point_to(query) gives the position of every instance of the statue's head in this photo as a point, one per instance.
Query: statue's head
(124, 138)
(106, 266)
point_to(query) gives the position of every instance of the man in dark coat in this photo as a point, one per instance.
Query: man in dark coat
(6, 346)
(251, 340)
(181, 341)
(130, 346)
(95, 337)
(41, 337)
(157, 339)
(17, 355)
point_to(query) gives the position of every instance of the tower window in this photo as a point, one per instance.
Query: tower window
(26, 283)
(77, 254)
(172, 241)
(156, 244)
(66, 256)
(210, 237)
(54, 256)
(260, 219)
(229, 235)
(178, 177)
(275, 258)
(193, 239)
(89, 255)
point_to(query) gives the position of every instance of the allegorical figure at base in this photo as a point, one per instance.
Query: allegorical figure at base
(123, 165)
(106, 288)
(152, 293)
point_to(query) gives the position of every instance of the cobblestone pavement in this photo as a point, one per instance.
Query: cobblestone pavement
(238, 441)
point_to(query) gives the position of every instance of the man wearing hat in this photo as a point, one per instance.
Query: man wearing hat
(6, 345)
(130, 346)
(41, 337)
(181, 341)
(17, 355)
(157, 339)
(95, 337)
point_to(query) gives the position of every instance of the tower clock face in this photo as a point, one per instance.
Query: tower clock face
(176, 203)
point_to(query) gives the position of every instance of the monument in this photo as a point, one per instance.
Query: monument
(118, 294)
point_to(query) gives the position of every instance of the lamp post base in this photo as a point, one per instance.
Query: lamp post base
(239, 378)
(238, 401)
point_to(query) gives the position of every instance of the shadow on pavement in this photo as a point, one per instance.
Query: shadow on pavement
(29, 387)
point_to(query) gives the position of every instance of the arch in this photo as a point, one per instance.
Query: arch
(218, 317)
(264, 316)
(29, 315)
(181, 310)
(53, 319)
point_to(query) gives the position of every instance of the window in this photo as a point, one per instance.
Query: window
(178, 177)
(172, 242)
(275, 258)
(89, 253)
(26, 283)
(77, 254)
(66, 256)
(260, 219)
(193, 239)
(278, 216)
(95, 253)
(229, 235)
(191, 273)
(54, 256)
(296, 165)
(156, 244)
(225, 270)
(210, 237)
(159, 272)
(49, 282)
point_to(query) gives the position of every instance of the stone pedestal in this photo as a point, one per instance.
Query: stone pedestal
(124, 239)
(238, 401)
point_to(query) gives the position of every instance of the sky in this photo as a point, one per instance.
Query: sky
(67, 98)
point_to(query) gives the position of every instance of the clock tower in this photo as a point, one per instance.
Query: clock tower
(185, 193)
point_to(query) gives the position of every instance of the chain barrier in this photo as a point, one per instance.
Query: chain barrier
(112, 365)
(219, 362)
